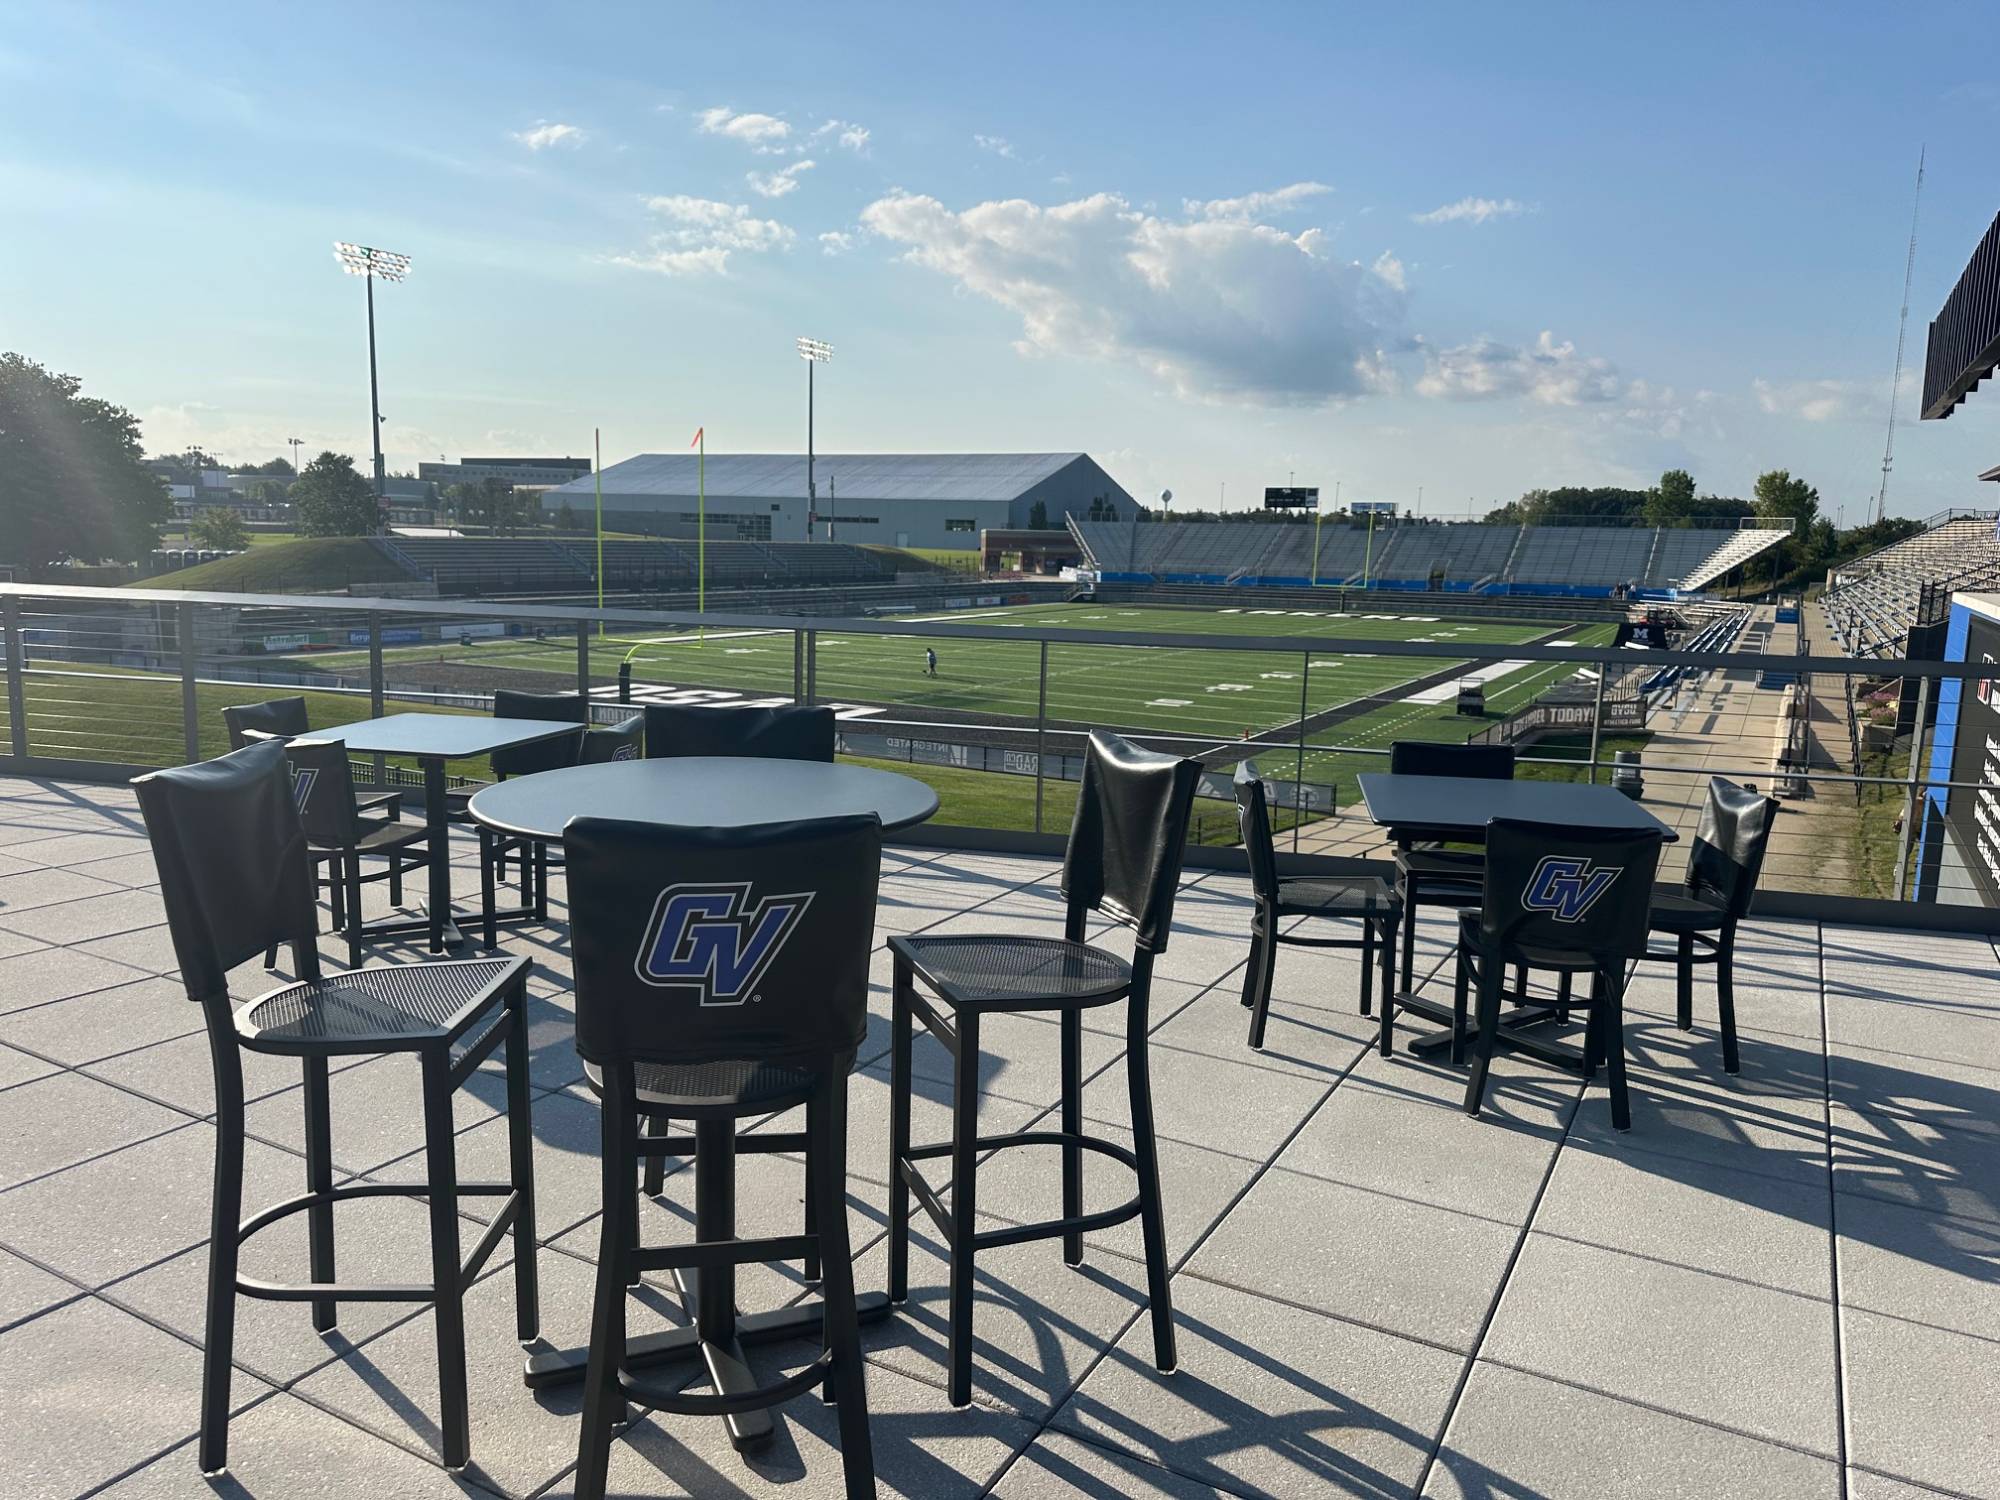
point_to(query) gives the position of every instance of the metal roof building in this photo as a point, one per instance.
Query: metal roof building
(901, 499)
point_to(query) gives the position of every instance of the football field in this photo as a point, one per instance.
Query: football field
(1209, 695)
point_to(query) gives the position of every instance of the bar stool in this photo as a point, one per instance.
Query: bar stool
(287, 719)
(790, 731)
(1366, 899)
(1124, 859)
(335, 830)
(722, 974)
(1427, 875)
(236, 881)
(1569, 901)
(1724, 862)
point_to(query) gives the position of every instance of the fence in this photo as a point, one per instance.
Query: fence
(102, 684)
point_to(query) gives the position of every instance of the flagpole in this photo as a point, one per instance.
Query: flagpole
(597, 473)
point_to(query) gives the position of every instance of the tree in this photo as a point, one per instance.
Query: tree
(332, 499)
(567, 518)
(1038, 516)
(221, 528)
(73, 482)
(277, 468)
(1781, 498)
(1671, 502)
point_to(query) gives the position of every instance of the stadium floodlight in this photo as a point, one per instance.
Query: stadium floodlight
(813, 352)
(368, 263)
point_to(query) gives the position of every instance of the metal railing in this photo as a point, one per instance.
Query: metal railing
(104, 683)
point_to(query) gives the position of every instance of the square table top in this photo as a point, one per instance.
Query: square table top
(441, 736)
(1459, 807)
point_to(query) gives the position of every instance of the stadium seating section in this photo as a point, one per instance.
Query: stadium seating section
(1584, 560)
(1874, 600)
(468, 565)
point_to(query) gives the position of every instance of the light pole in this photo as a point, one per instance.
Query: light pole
(295, 455)
(367, 262)
(813, 352)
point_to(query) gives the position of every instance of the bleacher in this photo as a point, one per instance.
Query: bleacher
(1871, 603)
(466, 566)
(1411, 554)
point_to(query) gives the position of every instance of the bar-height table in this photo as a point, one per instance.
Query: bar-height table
(705, 792)
(432, 740)
(1455, 809)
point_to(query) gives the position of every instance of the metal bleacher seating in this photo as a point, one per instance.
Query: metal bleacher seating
(536, 565)
(1874, 600)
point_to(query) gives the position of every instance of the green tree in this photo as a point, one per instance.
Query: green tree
(1038, 516)
(1778, 498)
(221, 528)
(567, 519)
(1671, 501)
(73, 482)
(332, 499)
(277, 468)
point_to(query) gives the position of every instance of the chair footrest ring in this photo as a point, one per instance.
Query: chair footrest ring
(708, 1404)
(281, 1291)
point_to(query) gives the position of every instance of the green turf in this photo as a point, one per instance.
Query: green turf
(299, 565)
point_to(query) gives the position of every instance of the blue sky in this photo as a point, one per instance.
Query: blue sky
(1470, 248)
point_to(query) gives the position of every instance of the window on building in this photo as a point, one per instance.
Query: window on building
(959, 524)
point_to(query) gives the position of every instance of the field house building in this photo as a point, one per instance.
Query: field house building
(899, 499)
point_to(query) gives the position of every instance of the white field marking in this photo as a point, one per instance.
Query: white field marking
(1446, 690)
(697, 638)
(1562, 643)
(1230, 687)
(1422, 619)
(1278, 676)
(744, 651)
(1168, 703)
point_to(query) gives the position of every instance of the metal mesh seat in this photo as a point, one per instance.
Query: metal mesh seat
(1355, 896)
(379, 1008)
(994, 970)
(685, 1087)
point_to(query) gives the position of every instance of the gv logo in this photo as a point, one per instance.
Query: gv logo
(302, 787)
(1566, 888)
(713, 936)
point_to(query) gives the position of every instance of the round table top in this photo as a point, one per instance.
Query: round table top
(700, 791)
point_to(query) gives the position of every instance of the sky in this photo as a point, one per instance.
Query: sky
(1434, 254)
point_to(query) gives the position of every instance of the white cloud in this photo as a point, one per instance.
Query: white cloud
(1550, 373)
(847, 134)
(764, 132)
(546, 133)
(1255, 205)
(999, 145)
(1818, 400)
(703, 235)
(835, 242)
(1474, 211)
(1219, 307)
(777, 184)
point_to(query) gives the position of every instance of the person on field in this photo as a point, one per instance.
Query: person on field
(930, 662)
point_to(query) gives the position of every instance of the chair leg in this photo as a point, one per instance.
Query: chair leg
(899, 1131)
(1267, 973)
(319, 1179)
(1386, 1032)
(1613, 1007)
(603, 1404)
(1684, 983)
(656, 1166)
(336, 893)
(441, 1187)
(353, 877)
(1460, 978)
(847, 1381)
(395, 878)
(541, 858)
(812, 1266)
(1520, 984)
(521, 1150)
(1072, 1124)
(1593, 1029)
(487, 896)
(1491, 982)
(1258, 927)
(1409, 937)
(1152, 1217)
(1563, 995)
(1725, 1000)
(1367, 967)
(964, 1205)
(225, 1215)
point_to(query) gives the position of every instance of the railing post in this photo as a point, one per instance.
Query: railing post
(17, 692)
(190, 699)
(798, 666)
(1299, 766)
(1910, 797)
(812, 667)
(374, 665)
(1041, 729)
(1597, 719)
(583, 662)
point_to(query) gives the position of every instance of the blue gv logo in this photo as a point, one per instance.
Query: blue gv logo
(715, 937)
(1566, 888)
(302, 787)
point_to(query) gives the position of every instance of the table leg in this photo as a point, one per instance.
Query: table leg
(440, 831)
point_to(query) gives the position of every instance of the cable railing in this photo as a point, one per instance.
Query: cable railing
(102, 684)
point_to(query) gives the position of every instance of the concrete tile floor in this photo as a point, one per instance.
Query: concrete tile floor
(1782, 1284)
